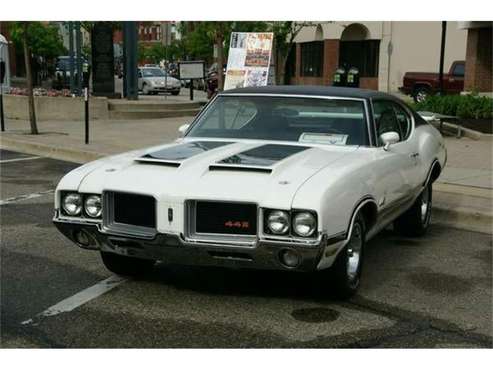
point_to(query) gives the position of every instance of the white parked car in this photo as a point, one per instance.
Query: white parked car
(153, 80)
(290, 178)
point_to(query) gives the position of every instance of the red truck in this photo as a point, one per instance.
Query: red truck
(421, 84)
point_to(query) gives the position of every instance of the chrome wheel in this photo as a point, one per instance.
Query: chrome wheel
(421, 96)
(425, 206)
(354, 252)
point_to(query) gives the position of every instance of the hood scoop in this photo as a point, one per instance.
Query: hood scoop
(259, 159)
(173, 156)
(225, 167)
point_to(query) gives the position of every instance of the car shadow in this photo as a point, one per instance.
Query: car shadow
(385, 247)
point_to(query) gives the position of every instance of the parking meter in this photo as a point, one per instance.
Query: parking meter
(353, 77)
(86, 71)
(340, 77)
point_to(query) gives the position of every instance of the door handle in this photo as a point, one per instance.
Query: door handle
(414, 155)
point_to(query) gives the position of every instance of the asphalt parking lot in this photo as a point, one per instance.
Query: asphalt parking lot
(430, 292)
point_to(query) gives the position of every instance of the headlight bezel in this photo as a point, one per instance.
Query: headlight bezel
(98, 199)
(280, 213)
(291, 232)
(82, 213)
(296, 217)
(79, 208)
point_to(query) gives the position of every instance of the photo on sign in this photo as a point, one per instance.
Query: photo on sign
(258, 50)
(255, 77)
(234, 79)
(238, 40)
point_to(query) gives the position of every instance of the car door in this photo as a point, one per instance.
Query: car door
(456, 78)
(396, 166)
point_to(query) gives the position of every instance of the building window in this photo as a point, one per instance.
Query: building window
(312, 59)
(362, 55)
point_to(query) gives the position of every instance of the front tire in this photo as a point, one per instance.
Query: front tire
(345, 273)
(415, 221)
(145, 90)
(127, 266)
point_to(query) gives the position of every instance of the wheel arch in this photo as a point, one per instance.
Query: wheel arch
(368, 207)
(433, 173)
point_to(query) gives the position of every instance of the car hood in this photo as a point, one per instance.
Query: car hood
(265, 173)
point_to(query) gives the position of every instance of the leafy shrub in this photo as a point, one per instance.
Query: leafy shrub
(462, 106)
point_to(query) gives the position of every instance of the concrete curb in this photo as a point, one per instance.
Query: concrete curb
(445, 214)
(64, 154)
(463, 131)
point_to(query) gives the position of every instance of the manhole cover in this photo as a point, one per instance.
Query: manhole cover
(315, 314)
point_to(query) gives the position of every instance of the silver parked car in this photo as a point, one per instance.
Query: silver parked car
(154, 80)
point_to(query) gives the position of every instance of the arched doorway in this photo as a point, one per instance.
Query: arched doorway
(358, 50)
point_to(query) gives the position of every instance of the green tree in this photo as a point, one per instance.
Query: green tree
(36, 39)
(43, 39)
(284, 35)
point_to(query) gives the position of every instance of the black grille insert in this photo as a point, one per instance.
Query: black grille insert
(134, 209)
(225, 218)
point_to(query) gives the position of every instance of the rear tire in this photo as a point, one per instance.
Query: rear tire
(127, 266)
(415, 221)
(345, 273)
(175, 92)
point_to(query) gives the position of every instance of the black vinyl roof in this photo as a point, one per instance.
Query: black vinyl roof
(345, 92)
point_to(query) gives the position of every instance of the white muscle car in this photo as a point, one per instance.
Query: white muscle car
(291, 177)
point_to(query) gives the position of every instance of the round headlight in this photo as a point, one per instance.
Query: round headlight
(93, 206)
(278, 222)
(304, 224)
(72, 204)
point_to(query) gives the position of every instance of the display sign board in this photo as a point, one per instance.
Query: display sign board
(249, 59)
(191, 70)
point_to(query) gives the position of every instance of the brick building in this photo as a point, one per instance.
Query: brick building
(478, 57)
(382, 51)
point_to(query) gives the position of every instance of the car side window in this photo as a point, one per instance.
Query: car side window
(386, 119)
(458, 70)
(404, 121)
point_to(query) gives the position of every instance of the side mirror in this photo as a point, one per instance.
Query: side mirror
(389, 138)
(183, 128)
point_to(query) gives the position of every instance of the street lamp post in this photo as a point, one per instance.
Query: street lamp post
(71, 58)
(442, 56)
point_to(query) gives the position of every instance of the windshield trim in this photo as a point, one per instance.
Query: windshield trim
(326, 97)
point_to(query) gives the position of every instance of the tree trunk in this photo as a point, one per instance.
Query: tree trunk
(29, 80)
(220, 62)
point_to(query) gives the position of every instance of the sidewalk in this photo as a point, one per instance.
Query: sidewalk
(462, 194)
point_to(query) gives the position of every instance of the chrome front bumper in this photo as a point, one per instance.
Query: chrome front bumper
(175, 249)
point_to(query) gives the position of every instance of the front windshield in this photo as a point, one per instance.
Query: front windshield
(153, 72)
(304, 120)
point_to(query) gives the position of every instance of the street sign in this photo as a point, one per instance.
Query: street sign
(191, 70)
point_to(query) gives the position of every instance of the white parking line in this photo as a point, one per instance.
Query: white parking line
(79, 299)
(25, 197)
(18, 159)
